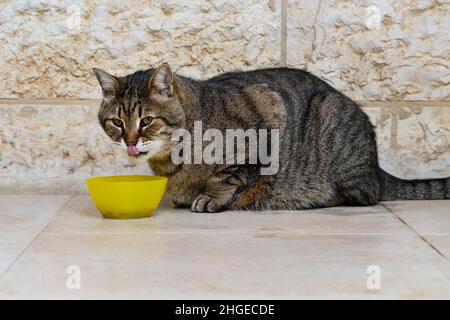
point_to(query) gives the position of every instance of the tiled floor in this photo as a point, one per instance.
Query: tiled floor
(178, 254)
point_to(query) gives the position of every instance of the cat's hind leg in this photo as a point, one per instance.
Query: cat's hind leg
(360, 191)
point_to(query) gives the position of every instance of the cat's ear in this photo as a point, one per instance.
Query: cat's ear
(161, 82)
(108, 82)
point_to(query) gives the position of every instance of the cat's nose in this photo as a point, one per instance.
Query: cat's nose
(131, 143)
(131, 138)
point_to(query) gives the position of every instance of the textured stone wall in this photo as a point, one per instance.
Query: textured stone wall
(413, 138)
(46, 53)
(370, 49)
(54, 147)
(374, 49)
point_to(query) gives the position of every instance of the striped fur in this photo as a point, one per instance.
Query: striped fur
(328, 153)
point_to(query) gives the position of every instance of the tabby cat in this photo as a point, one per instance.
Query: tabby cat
(327, 147)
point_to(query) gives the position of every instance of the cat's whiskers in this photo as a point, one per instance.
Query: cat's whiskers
(146, 146)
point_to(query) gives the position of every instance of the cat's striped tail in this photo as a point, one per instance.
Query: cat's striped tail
(393, 188)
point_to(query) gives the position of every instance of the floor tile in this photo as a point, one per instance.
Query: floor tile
(81, 217)
(430, 217)
(441, 243)
(321, 253)
(22, 217)
(219, 266)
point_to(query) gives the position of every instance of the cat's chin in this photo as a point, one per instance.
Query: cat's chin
(142, 157)
(127, 160)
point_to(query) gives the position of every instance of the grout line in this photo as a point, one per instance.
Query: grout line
(96, 102)
(222, 232)
(404, 103)
(415, 231)
(50, 101)
(283, 39)
(34, 238)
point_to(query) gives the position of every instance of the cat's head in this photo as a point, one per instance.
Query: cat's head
(140, 111)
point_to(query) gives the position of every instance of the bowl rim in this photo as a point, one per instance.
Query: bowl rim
(148, 178)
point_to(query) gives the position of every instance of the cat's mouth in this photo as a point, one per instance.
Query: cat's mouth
(133, 151)
(144, 151)
(141, 153)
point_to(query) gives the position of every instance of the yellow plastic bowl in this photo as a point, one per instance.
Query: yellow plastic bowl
(126, 197)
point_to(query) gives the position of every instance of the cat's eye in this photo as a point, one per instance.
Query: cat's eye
(146, 121)
(117, 122)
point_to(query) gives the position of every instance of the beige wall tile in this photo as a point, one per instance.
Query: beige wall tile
(55, 146)
(46, 54)
(370, 50)
(413, 138)
(373, 50)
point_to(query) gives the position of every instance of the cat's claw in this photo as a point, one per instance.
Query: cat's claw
(205, 203)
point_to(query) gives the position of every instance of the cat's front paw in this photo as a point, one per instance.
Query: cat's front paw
(205, 203)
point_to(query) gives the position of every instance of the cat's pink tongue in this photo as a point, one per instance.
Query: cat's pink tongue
(133, 151)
